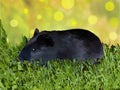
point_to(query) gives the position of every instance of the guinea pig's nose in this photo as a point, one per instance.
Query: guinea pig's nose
(20, 58)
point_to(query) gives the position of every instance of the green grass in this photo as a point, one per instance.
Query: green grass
(60, 75)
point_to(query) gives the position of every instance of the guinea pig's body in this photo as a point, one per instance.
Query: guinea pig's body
(68, 44)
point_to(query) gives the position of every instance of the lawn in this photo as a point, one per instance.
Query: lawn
(58, 75)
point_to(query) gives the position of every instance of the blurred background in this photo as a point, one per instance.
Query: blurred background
(21, 17)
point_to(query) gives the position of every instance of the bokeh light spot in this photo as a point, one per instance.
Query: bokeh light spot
(13, 23)
(39, 17)
(92, 19)
(73, 23)
(58, 16)
(109, 6)
(113, 35)
(114, 22)
(26, 11)
(41, 0)
(67, 4)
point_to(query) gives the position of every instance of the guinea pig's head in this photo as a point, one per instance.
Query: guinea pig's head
(37, 47)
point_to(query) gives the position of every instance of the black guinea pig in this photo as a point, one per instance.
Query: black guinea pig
(77, 44)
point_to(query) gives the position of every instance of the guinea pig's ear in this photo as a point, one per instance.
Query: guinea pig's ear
(45, 40)
(36, 32)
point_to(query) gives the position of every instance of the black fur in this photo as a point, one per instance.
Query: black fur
(68, 44)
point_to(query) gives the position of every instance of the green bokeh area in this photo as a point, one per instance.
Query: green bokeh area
(57, 75)
(21, 17)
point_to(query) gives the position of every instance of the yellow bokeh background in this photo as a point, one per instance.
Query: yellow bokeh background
(21, 17)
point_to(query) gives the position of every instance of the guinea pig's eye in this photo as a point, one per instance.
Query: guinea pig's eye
(33, 49)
